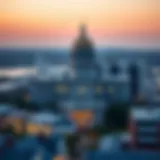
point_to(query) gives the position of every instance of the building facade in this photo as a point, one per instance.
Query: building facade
(87, 85)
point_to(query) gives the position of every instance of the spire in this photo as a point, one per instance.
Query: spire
(83, 30)
(83, 38)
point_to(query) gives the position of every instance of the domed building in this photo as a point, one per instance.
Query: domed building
(83, 58)
(83, 53)
(86, 89)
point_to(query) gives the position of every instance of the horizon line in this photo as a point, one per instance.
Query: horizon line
(96, 47)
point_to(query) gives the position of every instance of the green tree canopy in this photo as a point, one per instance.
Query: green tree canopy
(116, 116)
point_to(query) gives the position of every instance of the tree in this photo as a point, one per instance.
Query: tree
(52, 106)
(20, 103)
(116, 116)
(32, 106)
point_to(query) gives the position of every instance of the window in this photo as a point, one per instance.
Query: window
(62, 88)
(16, 123)
(83, 117)
(99, 89)
(82, 90)
(26, 97)
(110, 89)
(33, 128)
(59, 157)
(155, 71)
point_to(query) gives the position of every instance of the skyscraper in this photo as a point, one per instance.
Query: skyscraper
(134, 82)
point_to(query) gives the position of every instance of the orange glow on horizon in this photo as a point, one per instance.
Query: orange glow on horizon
(50, 21)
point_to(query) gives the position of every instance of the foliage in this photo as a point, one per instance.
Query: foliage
(33, 106)
(52, 106)
(10, 130)
(116, 118)
(20, 103)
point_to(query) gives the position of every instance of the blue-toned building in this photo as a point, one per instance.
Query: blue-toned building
(86, 84)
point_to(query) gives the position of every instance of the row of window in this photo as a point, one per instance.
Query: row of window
(83, 89)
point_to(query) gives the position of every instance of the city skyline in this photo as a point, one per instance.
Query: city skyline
(51, 23)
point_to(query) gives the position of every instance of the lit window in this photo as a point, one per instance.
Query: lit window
(59, 157)
(62, 88)
(82, 90)
(38, 128)
(83, 117)
(110, 89)
(140, 99)
(99, 89)
(17, 124)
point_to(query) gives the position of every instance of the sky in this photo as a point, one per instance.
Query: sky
(51, 23)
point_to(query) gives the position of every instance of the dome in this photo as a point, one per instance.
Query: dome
(83, 48)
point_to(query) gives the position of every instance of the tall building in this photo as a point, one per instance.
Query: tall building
(83, 57)
(134, 81)
(87, 88)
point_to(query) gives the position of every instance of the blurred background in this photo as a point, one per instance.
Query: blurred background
(79, 80)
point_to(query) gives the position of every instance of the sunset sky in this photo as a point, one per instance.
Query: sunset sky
(129, 23)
